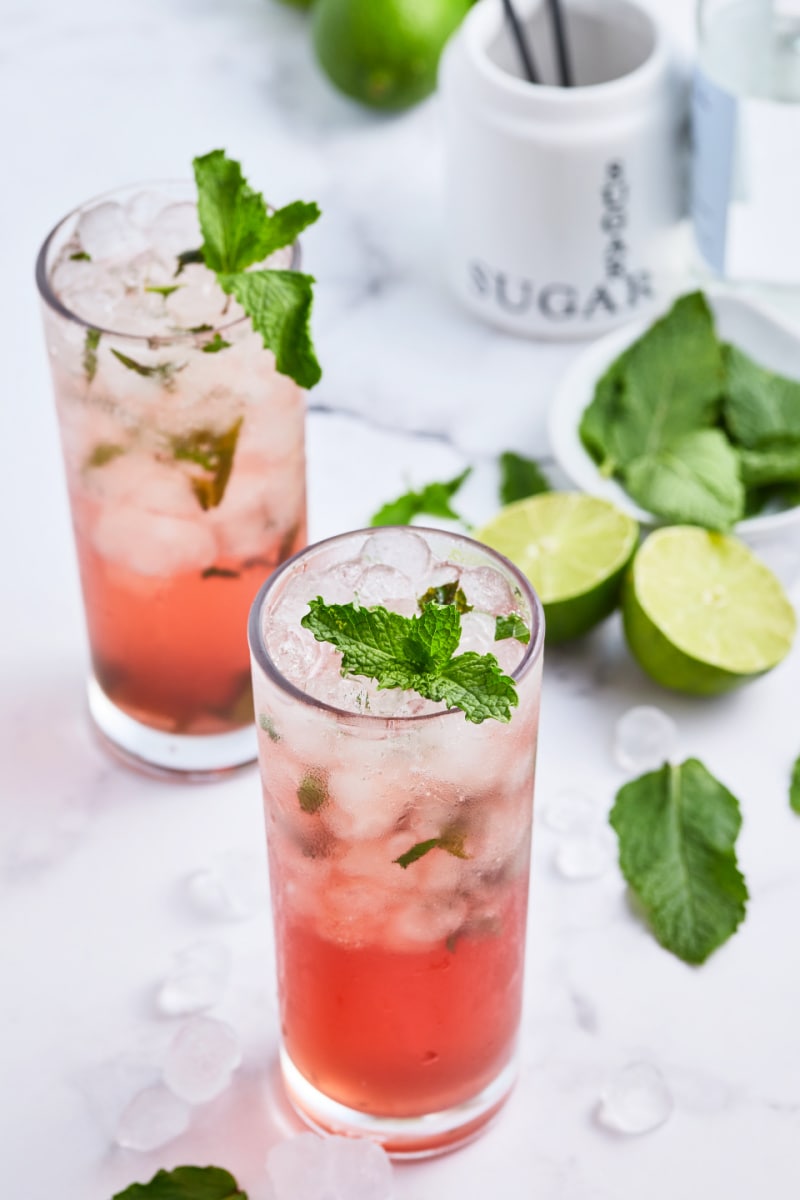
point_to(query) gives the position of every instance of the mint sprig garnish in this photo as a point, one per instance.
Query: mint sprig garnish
(520, 477)
(186, 1183)
(415, 653)
(433, 499)
(677, 829)
(238, 232)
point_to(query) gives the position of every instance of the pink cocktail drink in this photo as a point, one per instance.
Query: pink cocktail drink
(184, 455)
(399, 841)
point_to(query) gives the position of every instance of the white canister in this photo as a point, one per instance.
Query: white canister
(562, 203)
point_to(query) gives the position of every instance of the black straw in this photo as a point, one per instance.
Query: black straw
(566, 78)
(523, 49)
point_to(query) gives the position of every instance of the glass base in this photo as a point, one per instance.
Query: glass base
(401, 1137)
(198, 759)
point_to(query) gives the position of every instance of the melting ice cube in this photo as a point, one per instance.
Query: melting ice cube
(154, 1117)
(198, 978)
(309, 1167)
(201, 1060)
(644, 738)
(635, 1100)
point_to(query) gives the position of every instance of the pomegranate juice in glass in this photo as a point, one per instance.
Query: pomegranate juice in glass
(184, 455)
(399, 846)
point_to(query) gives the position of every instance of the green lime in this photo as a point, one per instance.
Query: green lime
(384, 52)
(702, 613)
(574, 549)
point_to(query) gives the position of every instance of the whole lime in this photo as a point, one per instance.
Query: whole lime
(384, 52)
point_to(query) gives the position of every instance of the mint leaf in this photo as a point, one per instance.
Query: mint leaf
(238, 230)
(511, 626)
(445, 593)
(312, 792)
(520, 477)
(779, 463)
(677, 829)
(433, 499)
(216, 344)
(760, 407)
(80, 256)
(668, 383)
(186, 257)
(164, 291)
(415, 653)
(90, 344)
(794, 788)
(219, 573)
(268, 725)
(165, 372)
(213, 452)
(693, 481)
(186, 1183)
(452, 843)
(104, 452)
(279, 305)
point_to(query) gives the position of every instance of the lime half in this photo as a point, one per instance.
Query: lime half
(702, 613)
(574, 549)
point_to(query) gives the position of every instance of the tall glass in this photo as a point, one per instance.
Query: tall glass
(399, 978)
(184, 456)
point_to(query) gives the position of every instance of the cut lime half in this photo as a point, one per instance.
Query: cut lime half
(702, 614)
(574, 549)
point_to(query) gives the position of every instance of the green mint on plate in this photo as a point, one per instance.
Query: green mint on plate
(186, 1183)
(520, 477)
(415, 653)
(677, 830)
(694, 480)
(433, 499)
(238, 232)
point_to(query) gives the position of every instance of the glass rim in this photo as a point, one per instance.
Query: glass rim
(258, 649)
(50, 298)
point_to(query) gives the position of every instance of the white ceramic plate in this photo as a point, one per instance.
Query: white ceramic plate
(741, 321)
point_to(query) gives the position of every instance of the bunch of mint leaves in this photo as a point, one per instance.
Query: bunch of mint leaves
(695, 430)
(418, 653)
(186, 1183)
(239, 231)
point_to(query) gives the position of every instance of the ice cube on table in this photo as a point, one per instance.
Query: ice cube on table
(569, 810)
(197, 979)
(644, 738)
(154, 1117)
(585, 856)
(635, 1100)
(232, 888)
(106, 232)
(201, 1060)
(311, 1167)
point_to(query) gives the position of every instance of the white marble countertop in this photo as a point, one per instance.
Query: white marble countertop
(94, 860)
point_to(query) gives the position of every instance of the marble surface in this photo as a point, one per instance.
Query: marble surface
(94, 861)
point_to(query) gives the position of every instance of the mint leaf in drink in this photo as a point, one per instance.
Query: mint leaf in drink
(520, 477)
(453, 843)
(186, 257)
(104, 452)
(445, 593)
(268, 725)
(511, 626)
(90, 344)
(213, 452)
(693, 480)
(279, 305)
(165, 372)
(312, 791)
(163, 291)
(186, 1183)
(777, 463)
(238, 230)
(667, 384)
(415, 653)
(677, 830)
(433, 499)
(760, 407)
(219, 573)
(794, 788)
(80, 256)
(216, 344)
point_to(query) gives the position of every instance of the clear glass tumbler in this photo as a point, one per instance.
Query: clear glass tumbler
(185, 463)
(399, 974)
